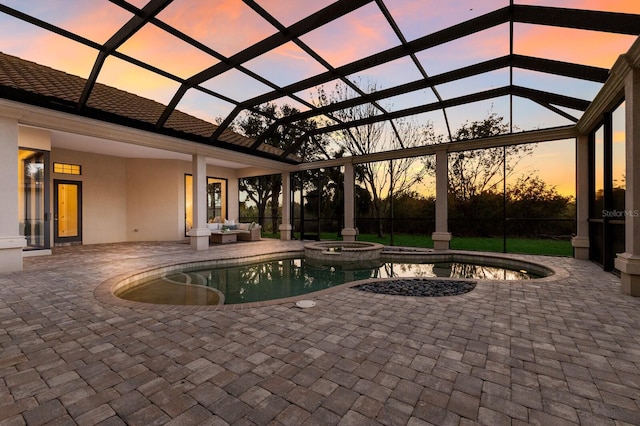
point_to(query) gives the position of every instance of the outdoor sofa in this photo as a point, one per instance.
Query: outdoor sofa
(244, 231)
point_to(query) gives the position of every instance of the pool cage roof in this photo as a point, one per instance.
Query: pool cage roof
(192, 69)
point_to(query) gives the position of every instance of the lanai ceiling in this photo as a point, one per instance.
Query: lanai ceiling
(537, 63)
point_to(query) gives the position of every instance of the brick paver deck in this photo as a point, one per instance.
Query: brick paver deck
(561, 351)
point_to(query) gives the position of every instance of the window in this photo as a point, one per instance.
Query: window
(216, 200)
(67, 169)
(33, 198)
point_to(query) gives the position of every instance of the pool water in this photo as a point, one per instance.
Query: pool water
(282, 278)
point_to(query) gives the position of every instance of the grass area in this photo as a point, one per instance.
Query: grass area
(514, 245)
(404, 240)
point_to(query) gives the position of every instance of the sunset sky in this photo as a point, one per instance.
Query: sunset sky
(228, 26)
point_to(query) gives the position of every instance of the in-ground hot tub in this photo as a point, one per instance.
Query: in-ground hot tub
(343, 251)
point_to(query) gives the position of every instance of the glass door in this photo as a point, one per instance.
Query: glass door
(33, 204)
(67, 212)
(608, 186)
(216, 200)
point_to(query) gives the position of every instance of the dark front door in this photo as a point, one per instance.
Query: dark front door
(67, 212)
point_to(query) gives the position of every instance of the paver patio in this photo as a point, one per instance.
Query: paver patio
(564, 350)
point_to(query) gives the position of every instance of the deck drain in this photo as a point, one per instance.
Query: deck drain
(420, 287)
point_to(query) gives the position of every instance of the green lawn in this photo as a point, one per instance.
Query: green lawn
(514, 245)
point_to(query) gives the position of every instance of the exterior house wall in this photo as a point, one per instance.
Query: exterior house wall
(104, 194)
(135, 199)
(30, 137)
(233, 199)
(154, 196)
(11, 243)
(128, 199)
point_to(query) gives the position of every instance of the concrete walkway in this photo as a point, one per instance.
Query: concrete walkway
(561, 351)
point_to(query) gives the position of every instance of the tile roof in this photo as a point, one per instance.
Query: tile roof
(48, 84)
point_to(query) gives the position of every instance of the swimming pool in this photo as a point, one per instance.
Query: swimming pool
(285, 277)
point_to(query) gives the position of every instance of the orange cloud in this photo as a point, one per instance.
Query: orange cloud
(622, 6)
(580, 46)
(56, 52)
(96, 23)
(549, 161)
(585, 47)
(133, 79)
(162, 50)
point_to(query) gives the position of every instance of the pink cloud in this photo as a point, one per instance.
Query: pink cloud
(290, 12)
(417, 18)
(361, 33)
(227, 26)
(478, 47)
(285, 65)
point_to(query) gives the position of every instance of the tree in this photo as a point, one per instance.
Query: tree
(414, 213)
(477, 179)
(395, 176)
(265, 190)
(472, 173)
(532, 197)
(260, 191)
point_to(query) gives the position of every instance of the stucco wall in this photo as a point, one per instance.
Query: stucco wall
(135, 199)
(232, 188)
(29, 137)
(154, 197)
(104, 200)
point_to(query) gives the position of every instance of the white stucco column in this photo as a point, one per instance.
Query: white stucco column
(442, 236)
(349, 232)
(580, 242)
(199, 233)
(285, 227)
(628, 263)
(11, 243)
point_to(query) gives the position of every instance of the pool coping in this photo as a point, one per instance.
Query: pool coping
(104, 292)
